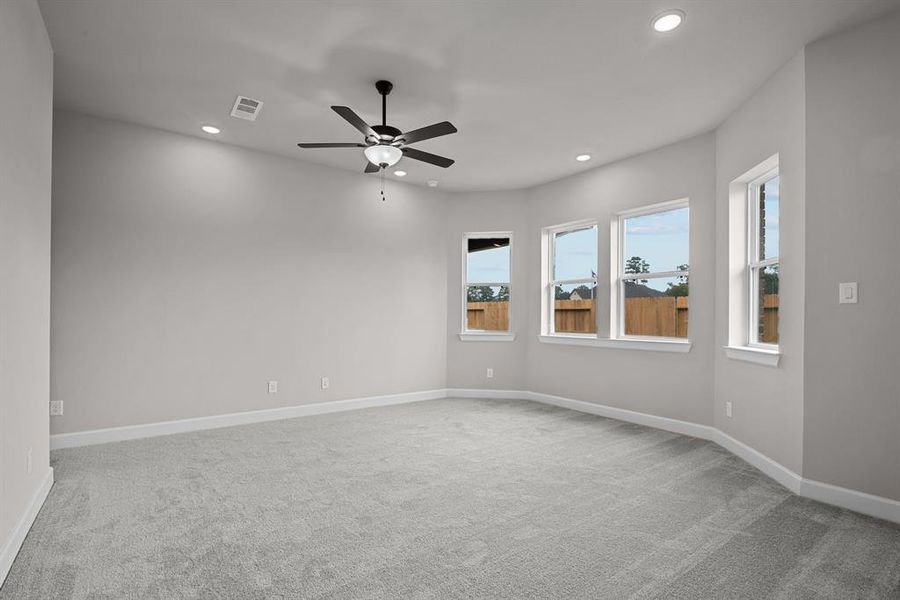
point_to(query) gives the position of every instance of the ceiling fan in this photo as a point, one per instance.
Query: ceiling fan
(385, 145)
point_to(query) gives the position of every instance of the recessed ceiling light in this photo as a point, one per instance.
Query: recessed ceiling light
(211, 129)
(400, 173)
(432, 183)
(583, 157)
(668, 20)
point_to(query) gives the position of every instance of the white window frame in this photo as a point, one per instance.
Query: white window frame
(754, 264)
(741, 242)
(617, 269)
(470, 335)
(548, 326)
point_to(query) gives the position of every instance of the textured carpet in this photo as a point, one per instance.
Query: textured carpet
(441, 499)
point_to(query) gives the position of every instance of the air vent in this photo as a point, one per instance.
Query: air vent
(246, 108)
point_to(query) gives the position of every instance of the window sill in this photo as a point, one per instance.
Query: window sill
(662, 345)
(487, 337)
(759, 356)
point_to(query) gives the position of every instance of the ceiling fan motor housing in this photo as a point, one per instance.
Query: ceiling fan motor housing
(386, 132)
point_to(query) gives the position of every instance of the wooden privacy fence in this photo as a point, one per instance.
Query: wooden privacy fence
(488, 316)
(575, 316)
(769, 331)
(665, 316)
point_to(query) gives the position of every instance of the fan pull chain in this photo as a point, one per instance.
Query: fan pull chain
(382, 184)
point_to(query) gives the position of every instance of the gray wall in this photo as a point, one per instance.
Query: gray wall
(681, 384)
(767, 402)
(188, 273)
(26, 104)
(831, 410)
(467, 362)
(678, 386)
(852, 416)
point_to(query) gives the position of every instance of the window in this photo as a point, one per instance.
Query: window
(762, 264)
(486, 289)
(754, 201)
(571, 279)
(653, 269)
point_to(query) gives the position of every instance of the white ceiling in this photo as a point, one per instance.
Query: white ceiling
(528, 84)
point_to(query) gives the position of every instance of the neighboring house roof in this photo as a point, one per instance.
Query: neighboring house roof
(582, 292)
(639, 290)
(632, 290)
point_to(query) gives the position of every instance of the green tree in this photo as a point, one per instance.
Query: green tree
(680, 288)
(637, 265)
(503, 294)
(560, 294)
(480, 293)
(770, 280)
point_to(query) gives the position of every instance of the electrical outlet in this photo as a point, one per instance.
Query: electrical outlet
(273, 387)
(728, 409)
(490, 373)
(28, 464)
(848, 293)
(325, 383)
(56, 408)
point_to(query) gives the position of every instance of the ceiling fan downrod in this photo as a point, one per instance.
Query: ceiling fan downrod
(384, 88)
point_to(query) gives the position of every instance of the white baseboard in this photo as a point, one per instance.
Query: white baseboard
(876, 506)
(773, 469)
(17, 537)
(674, 425)
(492, 394)
(132, 432)
(867, 504)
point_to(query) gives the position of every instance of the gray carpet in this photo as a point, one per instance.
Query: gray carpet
(442, 499)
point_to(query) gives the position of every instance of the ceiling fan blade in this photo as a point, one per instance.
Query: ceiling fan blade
(355, 120)
(433, 159)
(426, 133)
(332, 145)
(372, 168)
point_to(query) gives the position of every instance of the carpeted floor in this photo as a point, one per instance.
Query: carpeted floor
(441, 499)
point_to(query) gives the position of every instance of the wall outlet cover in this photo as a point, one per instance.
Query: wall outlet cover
(325, 383)
(848, 293)
(490, 373)
(56, 408)
(273, 387)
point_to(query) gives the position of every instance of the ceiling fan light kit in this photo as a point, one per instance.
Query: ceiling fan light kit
(384, 145)
(383, 155)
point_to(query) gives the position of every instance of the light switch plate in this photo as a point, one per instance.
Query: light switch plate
(847, 293)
